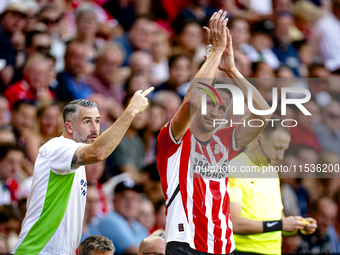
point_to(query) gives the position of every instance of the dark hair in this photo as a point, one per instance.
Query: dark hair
(274, 125)
(148, 17)
(31, 34)
(95, 243)
(218, 80)
(73, 107)
(18, 104)
(315, 66)
(159, 204)
(47, 7)
(9, 212)
(175, 57)
(232, 21)
(5, 148)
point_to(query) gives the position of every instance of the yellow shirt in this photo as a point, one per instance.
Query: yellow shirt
(259, 194)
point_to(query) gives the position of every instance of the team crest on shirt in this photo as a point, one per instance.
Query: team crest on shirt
(217, 149)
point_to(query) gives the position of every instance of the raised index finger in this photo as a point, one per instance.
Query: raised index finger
(146, 92)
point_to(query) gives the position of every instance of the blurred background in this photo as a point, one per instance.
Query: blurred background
(55, 51)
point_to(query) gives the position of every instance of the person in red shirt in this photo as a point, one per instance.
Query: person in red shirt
(197, 200)
(35, 83)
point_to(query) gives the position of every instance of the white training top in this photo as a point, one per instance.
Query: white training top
(56, 203)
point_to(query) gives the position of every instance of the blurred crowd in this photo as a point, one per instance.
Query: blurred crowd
(55, 51)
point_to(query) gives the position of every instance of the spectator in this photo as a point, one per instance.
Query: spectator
(49, 125)
(140, 61)
(242, 63)
(149, 178)
(87, 27)
(169, 100)
(240, 31)
(7, 135)
(160, 215)
(136, 81)
(191, 42)
(128, 232)
(146, 213)
(12, 21)
(303, 133)
(109, 59)
(325, 184)
(333, 231)
(179, 73)
(38, 42)
(91, 218)
(3, 244)
(328, 42)
(261, 45)
(11, 157)
(283, 48)
(70, 82)
(51, 17)
(328, 132)
(139, 36)
(264, 79)
(129, 155)
(319, 87)
(9, 220)
(319, 243)
(4, 111)
(94, 173)
(156, 121)
(160, 51)
(96, 245)
(152, 245)
(35, 83)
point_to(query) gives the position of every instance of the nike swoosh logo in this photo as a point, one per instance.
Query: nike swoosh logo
(270, 224)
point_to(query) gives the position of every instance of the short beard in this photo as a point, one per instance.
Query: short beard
(78, 137)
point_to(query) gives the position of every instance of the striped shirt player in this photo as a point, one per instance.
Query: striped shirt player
(199, 215)
(193, 158)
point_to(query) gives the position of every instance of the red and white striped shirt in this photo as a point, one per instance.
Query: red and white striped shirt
(200, 213)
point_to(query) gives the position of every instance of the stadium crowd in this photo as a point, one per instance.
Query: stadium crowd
(55, 51)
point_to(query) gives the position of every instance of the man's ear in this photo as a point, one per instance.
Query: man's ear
(69, 127)
(259, 139)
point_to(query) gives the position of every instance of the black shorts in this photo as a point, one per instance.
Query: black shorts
(178, 248)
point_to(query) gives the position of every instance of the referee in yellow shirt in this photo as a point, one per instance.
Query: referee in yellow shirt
(256, 207)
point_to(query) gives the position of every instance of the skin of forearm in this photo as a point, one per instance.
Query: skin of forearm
(208, 70)
(104, 145)
(245, 226)
(258, 101)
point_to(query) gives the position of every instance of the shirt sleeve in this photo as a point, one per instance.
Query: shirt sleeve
(228, 138)
(166, 145)
(236, 190)
(60, 153)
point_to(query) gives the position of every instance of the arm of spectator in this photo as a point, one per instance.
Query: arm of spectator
(191, 102)
(104, 145)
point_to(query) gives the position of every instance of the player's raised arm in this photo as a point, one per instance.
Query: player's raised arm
(244, 134)
(103, 146)
(217, 38)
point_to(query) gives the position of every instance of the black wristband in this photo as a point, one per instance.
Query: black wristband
(270, 226)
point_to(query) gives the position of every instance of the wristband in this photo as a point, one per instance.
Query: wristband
(270, 226)
(301, 232)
